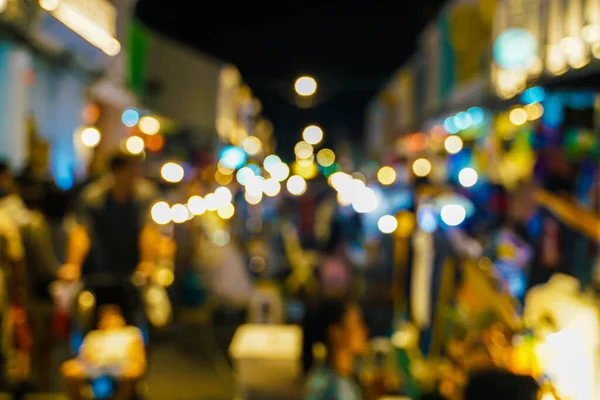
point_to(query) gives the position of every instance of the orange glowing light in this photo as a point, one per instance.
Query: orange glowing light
(416, 142)
(438, 133)
(91, 113)
(155, 143)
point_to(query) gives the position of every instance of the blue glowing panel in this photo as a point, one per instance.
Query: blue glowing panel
(515, 48)
(232, 157)
(130, 117)
(533, 95)
(581, 100)
(554, 113)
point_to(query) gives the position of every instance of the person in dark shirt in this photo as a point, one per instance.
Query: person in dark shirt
(114, 238)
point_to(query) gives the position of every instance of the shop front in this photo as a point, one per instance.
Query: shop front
(46, 77)
(542, 128)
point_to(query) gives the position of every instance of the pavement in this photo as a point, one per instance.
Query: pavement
(192, 364)
(189, 362)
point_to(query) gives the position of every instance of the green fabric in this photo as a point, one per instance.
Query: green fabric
(139, 42)
(411, 386)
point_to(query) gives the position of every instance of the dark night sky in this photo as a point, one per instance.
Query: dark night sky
(350, 47)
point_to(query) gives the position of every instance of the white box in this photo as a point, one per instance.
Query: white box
(267, 358)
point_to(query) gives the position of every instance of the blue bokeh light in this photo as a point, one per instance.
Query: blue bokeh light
(533, 95)
(243, 175)
(515, 48)
(232, 157)
(76, 341)
(130, 117)
(449, 126)
(103, 387)
(462, 120)
(427, 218)
(271, 161)
(477, 115)
(256, 169)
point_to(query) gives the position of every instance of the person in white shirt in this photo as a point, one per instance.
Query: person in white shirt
(567, 322)
(114, 349)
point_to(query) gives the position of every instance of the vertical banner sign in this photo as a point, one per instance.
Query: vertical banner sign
(138, 52)
(432, 44)
(406, 100)
(468, 38)
(447, 64)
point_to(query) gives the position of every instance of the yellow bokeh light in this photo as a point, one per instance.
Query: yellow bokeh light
(387, 224)
(179, 213)
(280, 171)
(223, 169)
(296, 185)
(223, 179)
(305, 86)
(365, 199)
(303, 150)
(211, 201)
(172, 172)
(534, 111)
(518, 116)
(164, 277)
(86, 300)
(453, 144)
(305, 162)
(406, 224)
(326, 157)
(90, 137)
(340, 181)
(312, 134)
(255, 185)
(134, 145)
(252, 145)
(49, 5)
(149, 125)
(226, 211)
(253, 199)
(307, 171)
(196, 205)
(223, 195)
(386, 175)
(421, 167)
(161, 213)
(272, 187)
(344, 199)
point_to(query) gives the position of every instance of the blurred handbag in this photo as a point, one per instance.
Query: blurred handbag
(64, 295)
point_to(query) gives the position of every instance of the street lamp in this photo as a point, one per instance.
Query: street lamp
(305, 86)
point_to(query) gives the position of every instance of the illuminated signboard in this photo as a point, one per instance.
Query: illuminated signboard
(93, 20)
